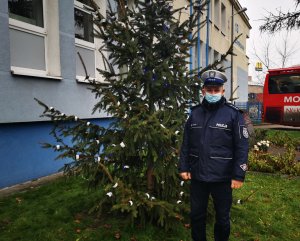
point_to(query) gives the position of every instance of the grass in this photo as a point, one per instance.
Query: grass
(294, 134)
(58, 211)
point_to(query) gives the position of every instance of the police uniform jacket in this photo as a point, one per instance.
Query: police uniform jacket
(215, 143)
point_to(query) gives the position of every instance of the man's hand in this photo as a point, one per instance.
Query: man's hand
(185, 175)
(235, 184)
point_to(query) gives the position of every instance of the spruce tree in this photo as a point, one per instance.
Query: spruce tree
(282, 20)
(148, 91)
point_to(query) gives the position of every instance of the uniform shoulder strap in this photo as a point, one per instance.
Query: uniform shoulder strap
(195, 107)
(233, 107)
(246, 117)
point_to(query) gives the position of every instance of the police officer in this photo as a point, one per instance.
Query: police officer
(214, 156)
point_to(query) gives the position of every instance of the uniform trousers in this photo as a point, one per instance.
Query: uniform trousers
(221, 193)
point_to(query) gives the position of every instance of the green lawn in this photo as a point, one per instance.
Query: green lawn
(294, 134)
(58, 211)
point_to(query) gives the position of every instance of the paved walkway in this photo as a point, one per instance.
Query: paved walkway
(280, 127)
(27, 185)
(274, 126)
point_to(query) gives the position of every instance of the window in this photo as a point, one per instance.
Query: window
(84, 41)
(88, 57)
(210, 10)
(237, 28)
(114, 5)
(32, 37)
(216, 55)
(207, 12)
(27, 11)
(217, 13)
(195, 55)
(203, 53)
(27, 33)
(284, 84)
(83, 25)
(223, 18)
(210, 55)
(86, 2)
(199, 56)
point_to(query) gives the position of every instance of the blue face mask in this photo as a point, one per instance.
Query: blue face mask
(212, 98)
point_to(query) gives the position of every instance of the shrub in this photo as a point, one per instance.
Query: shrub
(262, 146)
(259, 162)
(280, 138)
(259, 134)
(278, 159)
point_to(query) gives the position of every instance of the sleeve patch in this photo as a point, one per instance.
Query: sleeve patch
(244, 167)
(245, 133)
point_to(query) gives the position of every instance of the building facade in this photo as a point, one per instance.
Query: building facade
(43, 45)
(226, 20)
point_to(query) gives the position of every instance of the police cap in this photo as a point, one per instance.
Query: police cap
(213, 77)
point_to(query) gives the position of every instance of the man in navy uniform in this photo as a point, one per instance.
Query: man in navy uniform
(214, 156)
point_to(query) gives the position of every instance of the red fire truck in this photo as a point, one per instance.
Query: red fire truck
(281, 96)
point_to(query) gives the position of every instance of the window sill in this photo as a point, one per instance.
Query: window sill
(84, 80)
(33, 73)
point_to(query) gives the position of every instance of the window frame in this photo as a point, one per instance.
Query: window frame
(52, 71)
(217, 17)
(223, 18)
(281, 79)
(88, 45)
(85, 44)
(80, 6)
(34, 30)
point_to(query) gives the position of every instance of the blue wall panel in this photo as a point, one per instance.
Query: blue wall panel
(21, 156)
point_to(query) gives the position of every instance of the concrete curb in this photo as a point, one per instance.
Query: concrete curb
(275, 126)
(7, 191)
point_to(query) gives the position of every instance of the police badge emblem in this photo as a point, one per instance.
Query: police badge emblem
(212, 74)
(245, 132)
(244, 167)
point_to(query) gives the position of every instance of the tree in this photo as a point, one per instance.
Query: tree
(148, 92)
(274, 55)
(276, 22)
(286, 51)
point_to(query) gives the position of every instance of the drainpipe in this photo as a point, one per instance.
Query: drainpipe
(191, 34)
(207, 33)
